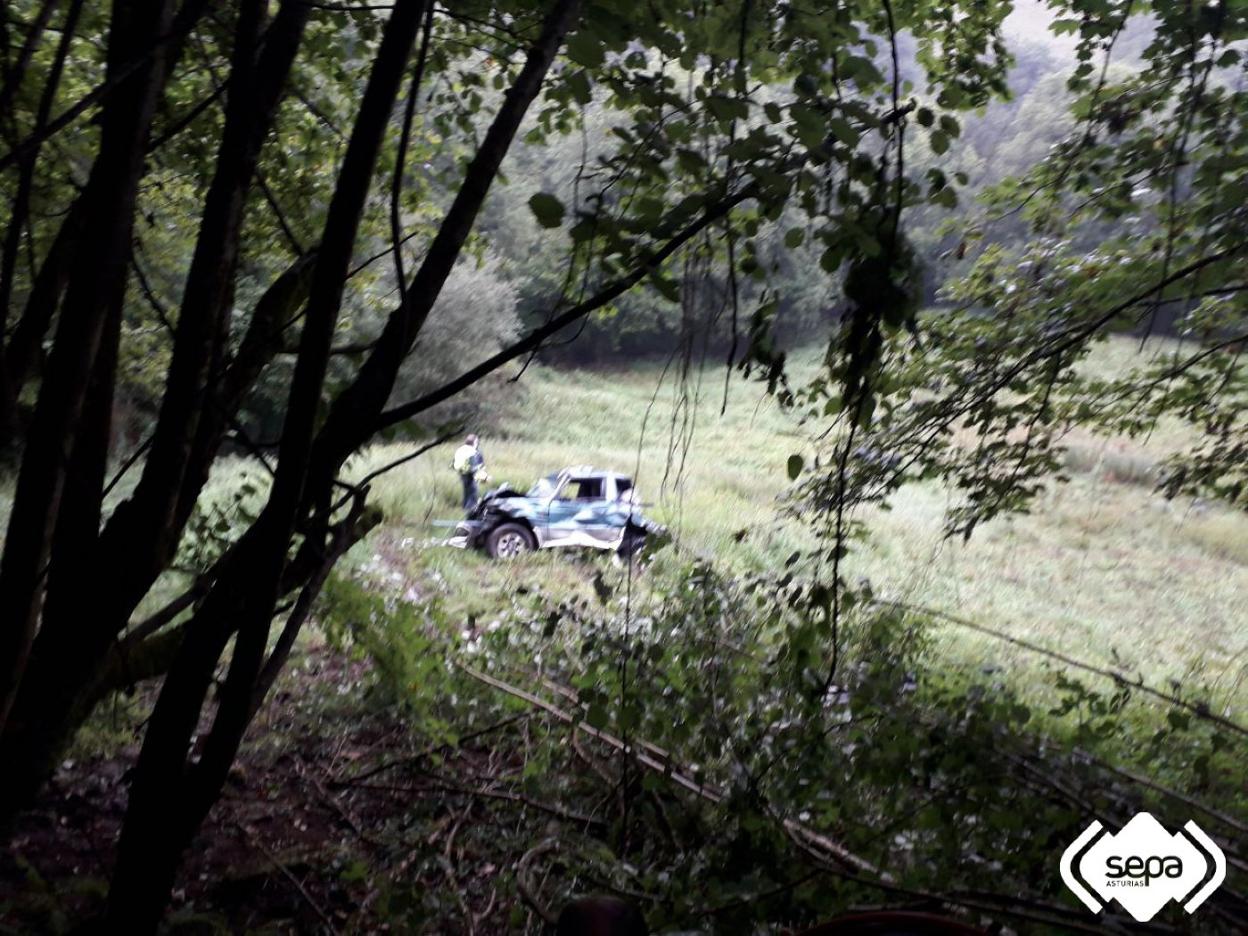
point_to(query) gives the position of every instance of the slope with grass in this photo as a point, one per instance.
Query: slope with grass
(1103, 568)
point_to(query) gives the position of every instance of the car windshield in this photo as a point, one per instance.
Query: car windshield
(546, 486)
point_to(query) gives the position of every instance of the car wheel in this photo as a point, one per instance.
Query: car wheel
(509, 540)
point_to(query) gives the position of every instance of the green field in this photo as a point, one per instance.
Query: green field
(1103, 568)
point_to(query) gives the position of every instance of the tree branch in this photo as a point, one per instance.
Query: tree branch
(534, 339)
(350, 419)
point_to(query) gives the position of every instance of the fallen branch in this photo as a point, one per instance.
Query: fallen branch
(507, 796)
(663, 765)
(448, 866)
(289, 875)
(1175, 794)
(427, 752)
(332, 802)
(1057, 916)
(525, 886)
(575, 818)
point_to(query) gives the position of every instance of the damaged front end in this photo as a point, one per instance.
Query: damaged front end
(487, 514)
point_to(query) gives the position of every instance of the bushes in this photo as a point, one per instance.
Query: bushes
(475, 316)
(755, 776)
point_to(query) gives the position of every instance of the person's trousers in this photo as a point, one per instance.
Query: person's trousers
(470, 491)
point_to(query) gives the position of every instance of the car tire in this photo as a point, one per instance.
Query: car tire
(509, 540)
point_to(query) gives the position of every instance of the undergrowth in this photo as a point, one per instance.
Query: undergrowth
(729, 788)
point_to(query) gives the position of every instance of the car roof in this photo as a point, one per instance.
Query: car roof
(588, 471)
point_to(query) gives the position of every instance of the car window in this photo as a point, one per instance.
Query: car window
(545, 486)
(622, 488)
(582, 489)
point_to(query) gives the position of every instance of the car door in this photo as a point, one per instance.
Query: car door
(577, 515)
(612, 514)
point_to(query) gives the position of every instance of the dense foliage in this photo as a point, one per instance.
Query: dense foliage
(265, 228)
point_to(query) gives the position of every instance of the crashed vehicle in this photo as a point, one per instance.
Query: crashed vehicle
(578, 506)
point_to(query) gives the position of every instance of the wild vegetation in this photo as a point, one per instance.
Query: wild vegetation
(1187, 559)
(922, 339)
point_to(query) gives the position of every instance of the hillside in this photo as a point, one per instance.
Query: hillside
(1104, 568)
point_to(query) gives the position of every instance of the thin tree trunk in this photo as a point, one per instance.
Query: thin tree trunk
(59, 688)
(156, 832)
(78, 524)
(144, 531)
(351, 417)
(97, 286)
(170, 798)
(19, 215)
(260, 343)
(25, 344)
(96, 581)
(534, 339)
(75, 579)
(50, 282)
(162, 48)
(16, 73)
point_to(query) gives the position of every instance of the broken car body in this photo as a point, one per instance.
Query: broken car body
(578, 506)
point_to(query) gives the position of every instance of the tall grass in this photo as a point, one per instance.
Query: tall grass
(1103, 568)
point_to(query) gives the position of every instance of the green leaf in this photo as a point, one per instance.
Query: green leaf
(726, 108)
(667, 287)
(585, 49)
(547, 209)
(597, 716)
(690, 161)
(843, 131)
(578, 84)
(830, 259)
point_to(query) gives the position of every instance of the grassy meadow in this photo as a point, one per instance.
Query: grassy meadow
(1102, 569)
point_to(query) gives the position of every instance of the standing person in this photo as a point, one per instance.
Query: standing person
(469, 464)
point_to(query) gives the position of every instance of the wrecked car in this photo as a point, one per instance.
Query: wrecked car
(578, 506)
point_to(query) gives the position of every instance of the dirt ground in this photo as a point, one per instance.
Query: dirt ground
(310, 836)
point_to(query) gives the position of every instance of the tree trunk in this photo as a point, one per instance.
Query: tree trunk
(97, 580)
(63, 676)
(49, 284)
(98, 285)
(45, 295)
(352, 417)
(19, 215)
(169, 797)
(16, 72)
(143, 533)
